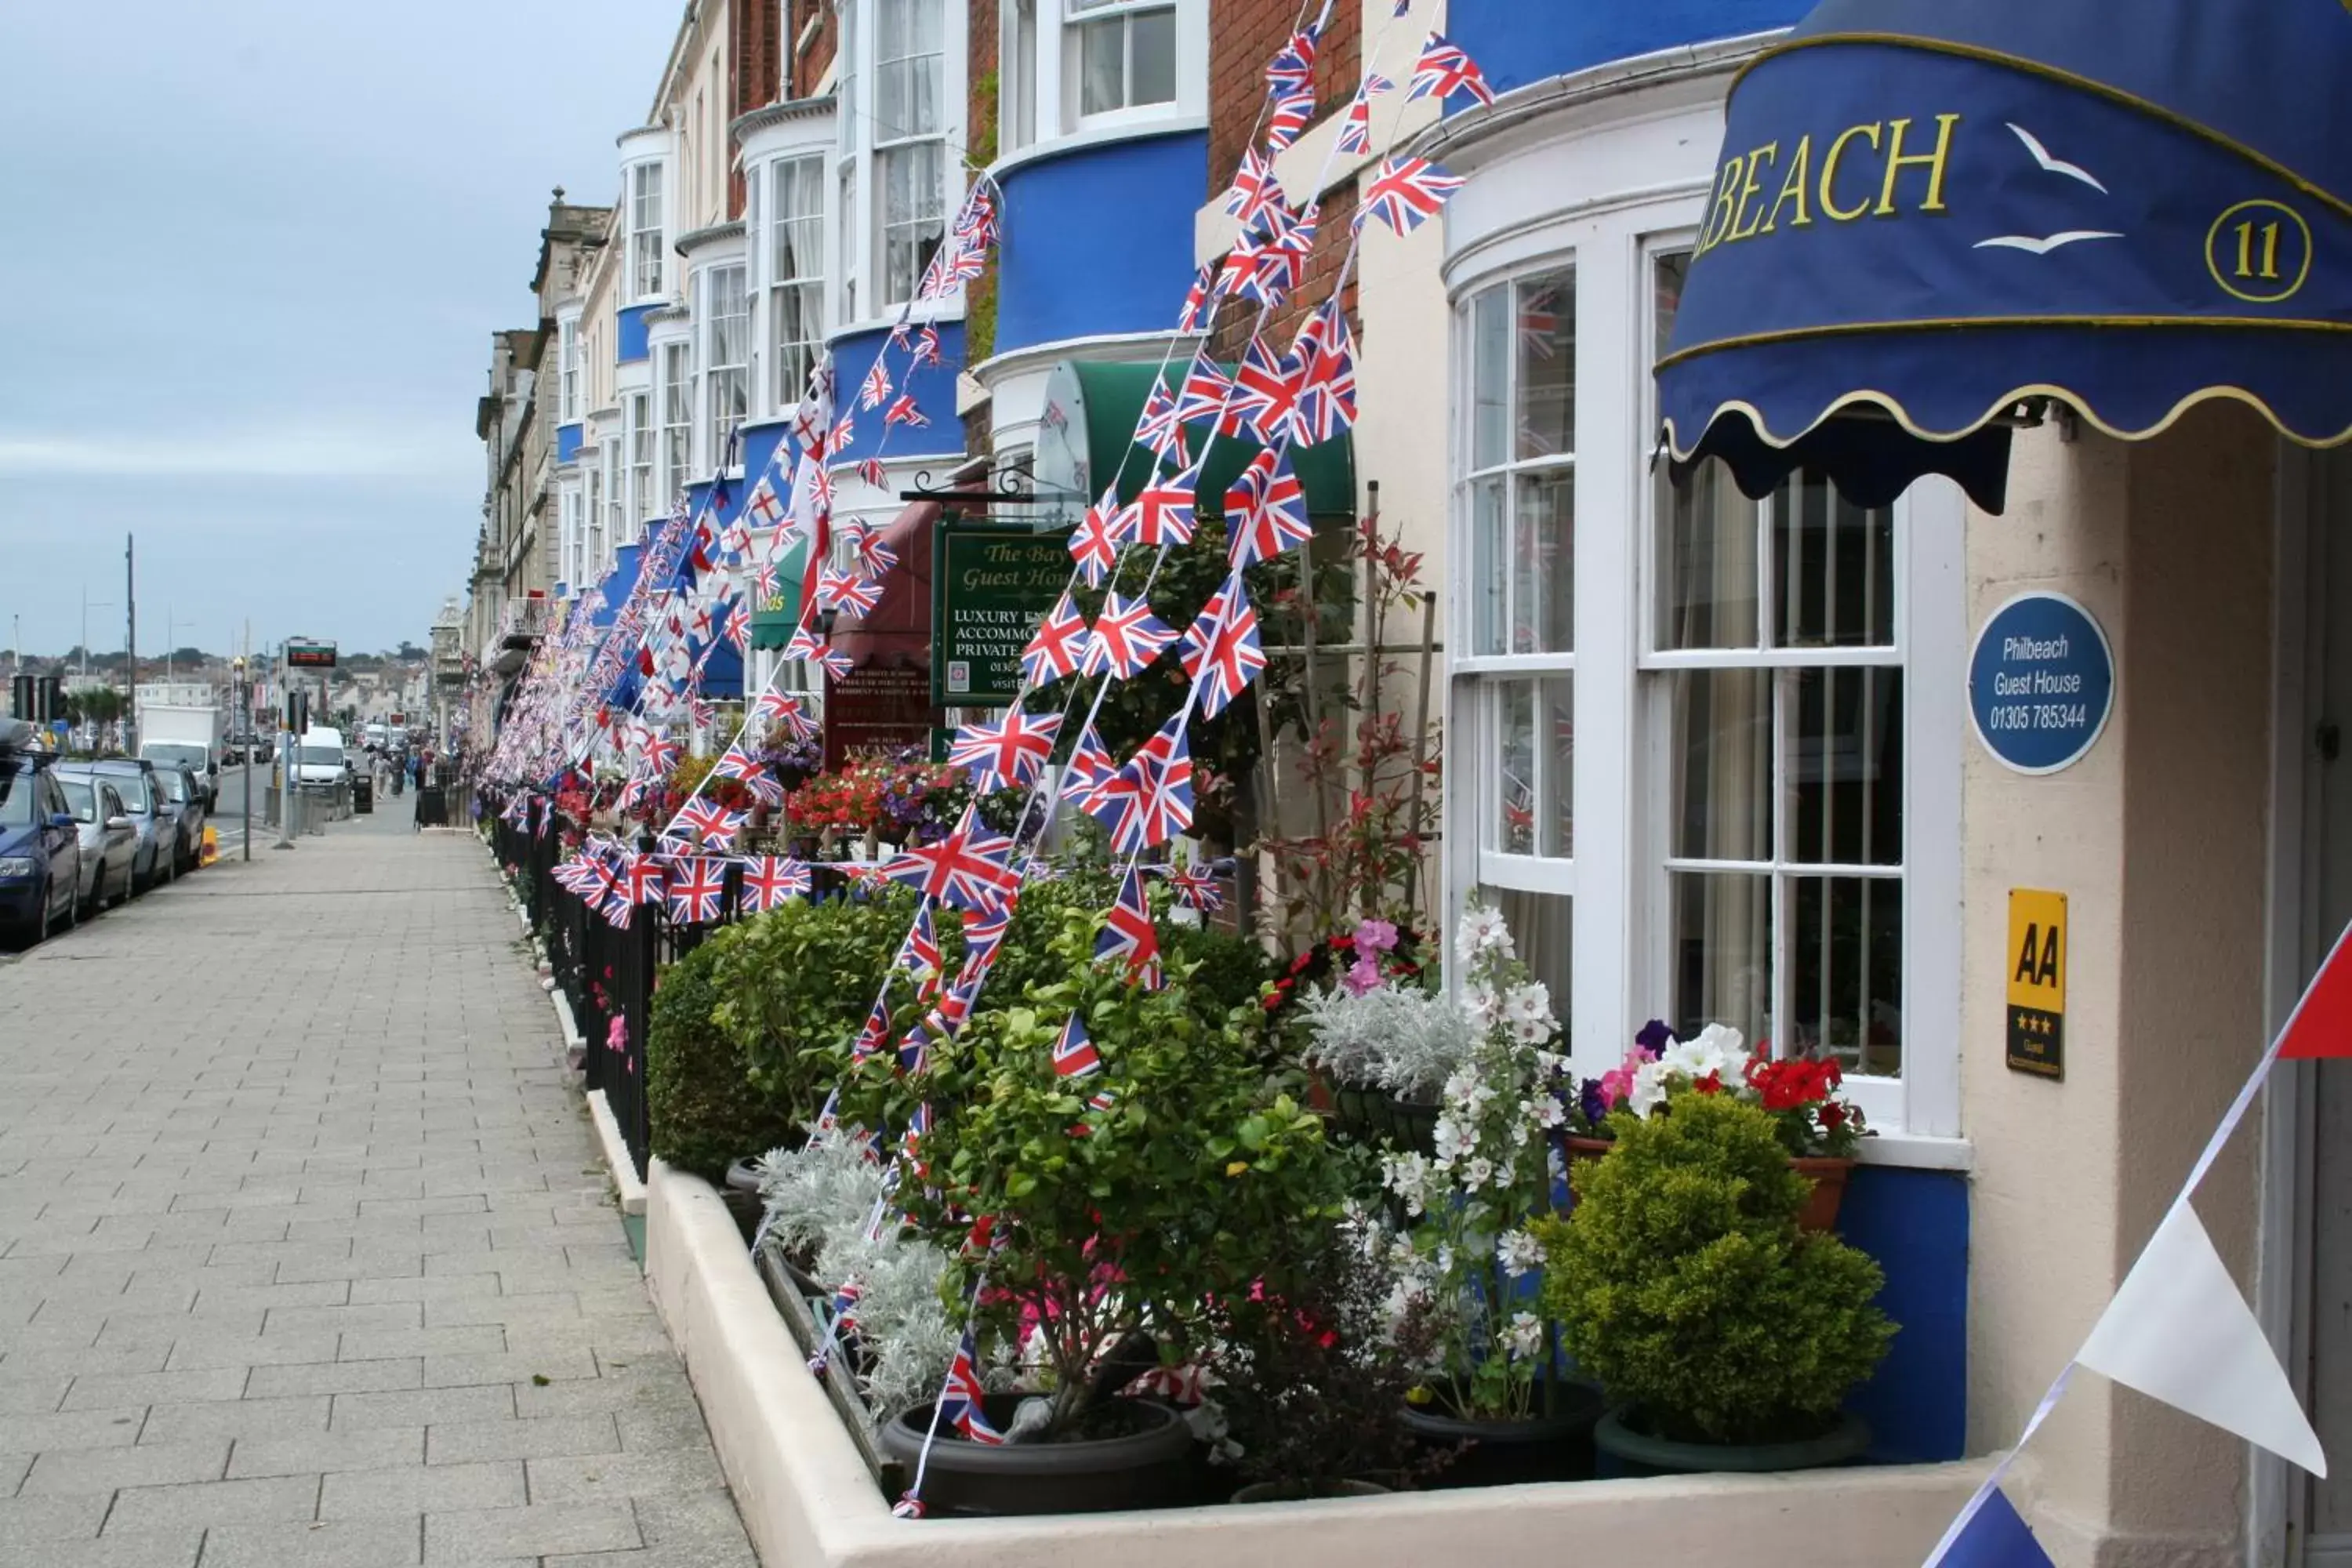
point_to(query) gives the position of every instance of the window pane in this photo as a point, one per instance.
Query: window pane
(1721, 741)
(1721, 933)
(1558, 813)
(1543, 594)
(1547, 352)
(1490, 537)
(1541, 932)
(1707, 579)
(1490, 372)
(1846, 972)
(1102, 62)
(1512, 830)
(1152, 45)
(1667, 296)
(1835, 562)
(1845, 767)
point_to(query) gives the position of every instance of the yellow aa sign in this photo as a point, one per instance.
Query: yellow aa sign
(2036, 959)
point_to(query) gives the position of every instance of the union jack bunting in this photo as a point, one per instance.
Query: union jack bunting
(1291, 114)
(870, 469)
(919, 953)
(836, 663)
(1255, 192)
(959, 264)
(1091, 545)
(642, 878)
(576, 875)
(770, 880)
(710, 822)
(805, 644)
(1163, 513)
(904, 412)
(1221, 650)
(735, 763)
(960, 1401)
(1265, 511)
(1089, 768)
(844, 436)
(1011, 751)
(1200, 301)
(1406, 192)
(873, 556)
(1355, 130)
(914, 1058)
(1326, 352)
(1127, 636)
(1293, 65)
(1203, 395)
(776, 708)
(738, 629)
(696, 888)
(1159, 430)
(1266, 393)
(1128, 933)
(1057, 647)
(969, 869)
(765, 507)
(877, 1029)
(927, 342)
(876, 388)
(983, 934)
(840, 589)
(1444, 71)
(1194, 889)
(1074, 1054)
(1151, 799)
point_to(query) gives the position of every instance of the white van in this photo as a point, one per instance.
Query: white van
(318, 757)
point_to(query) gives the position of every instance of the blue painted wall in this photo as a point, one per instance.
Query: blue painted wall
(933, 387)
(1134, 203)
(629, 340)
(759, 445)
(567, 442)
(1517, 42)
(1915, 1224)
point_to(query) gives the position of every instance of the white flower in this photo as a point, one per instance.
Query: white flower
(1407, 1176)
(1527, 1010)
(1546, 1112)
(1454, 1141)
(1519, 1252)
(1483, 1004)
(1466, 1091)
(1524, 1338)
(1649, 1088)
(1482, 932)
(1714, 1050)
(1477, 1172)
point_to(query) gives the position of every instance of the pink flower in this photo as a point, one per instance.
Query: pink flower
(1617, 1083)
(1379, 936)
(1362, 976)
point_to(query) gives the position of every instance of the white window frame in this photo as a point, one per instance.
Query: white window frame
(614, 525)
(648, 256)
(588, 500)
(925, 220)
(674, 360)
(1617, 880)
(637, 430)
(1080, 15)
(714, 376)
(863, 294)
(789, 359)
(567, 338)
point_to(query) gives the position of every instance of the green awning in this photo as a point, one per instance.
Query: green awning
(1089, 428)
(773, 622)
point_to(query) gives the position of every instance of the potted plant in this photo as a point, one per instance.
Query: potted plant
(1819, 1127)
(1724, 1334)
(1497, 1381)
(704, 1112)
(1385, 1044)
(1144, 1173)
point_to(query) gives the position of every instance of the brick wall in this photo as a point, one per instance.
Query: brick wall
(808, 65)
(755, 71)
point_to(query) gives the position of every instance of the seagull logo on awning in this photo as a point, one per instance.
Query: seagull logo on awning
(2043, 245)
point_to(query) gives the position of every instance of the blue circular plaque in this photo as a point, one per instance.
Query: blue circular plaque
(2042, 682)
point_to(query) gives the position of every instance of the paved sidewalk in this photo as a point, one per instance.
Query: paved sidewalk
(305, 1254)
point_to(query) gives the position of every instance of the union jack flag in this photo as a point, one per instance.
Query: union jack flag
(1326, 352)
(1405, 192)
(1059, 644)
(1128, 933)
(1127, 636)
(1221, 650)
(738, 629)
(914, 1058)
(960, 1401)
(877, 386)
(873, 556)
(927, 341)
(805, 644)
(1293, 65)
(983, 934)
(919, 953)
(736, 541)
(1074, 1054)
(1091, 545)
(765, 507)
(641, 876)
(1203, 395)
(1266, 393)
(968, 869)
(735, 763)
(837, 589)
(870, 469)
(696, 888)
(1159, 430)
(776, 708)
(764, 583)
(1444, 71)
(1255, 192)
(977, 222)
(836, 663)
(1291, 112)
(877, 1029)
(1163, 513)
(1355, 130)
(658, 752)
(1265, 511)
(1195, 889)
(1278, 266)
(770, 880)
(710, 821)
(904, 412)
(844, 436)
(1200, 301)
(1089, 768)
(578, 875)
(1157, 803)
(1010, 753)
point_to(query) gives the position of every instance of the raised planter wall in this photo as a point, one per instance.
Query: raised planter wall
(808, 1502)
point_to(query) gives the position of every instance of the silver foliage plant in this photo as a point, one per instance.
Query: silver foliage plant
(821, 1201)
(1402, 1039)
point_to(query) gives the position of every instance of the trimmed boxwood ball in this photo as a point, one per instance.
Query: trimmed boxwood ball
(1683, 1284)
(704, 1109)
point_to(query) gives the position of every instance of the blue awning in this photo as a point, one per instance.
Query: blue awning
(1929, 214)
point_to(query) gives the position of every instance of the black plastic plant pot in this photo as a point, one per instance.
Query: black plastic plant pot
(1283, 1491)
(1627, 1451)
(1553, 1447)
(1372, 1116)
(1142, 1467)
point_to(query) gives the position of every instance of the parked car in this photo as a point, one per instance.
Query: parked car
(142, 801)
(184, 798)
(110, 842)
(40, 851)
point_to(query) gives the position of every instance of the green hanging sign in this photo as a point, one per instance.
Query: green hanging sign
(991, 584)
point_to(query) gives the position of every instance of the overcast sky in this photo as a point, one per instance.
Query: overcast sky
(253, 252)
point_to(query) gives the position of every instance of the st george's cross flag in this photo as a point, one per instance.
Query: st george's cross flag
(1265, 511)
(1010, 753)
(1127, 636)
(765, 507)
(1406, 192)
(770, 880)
(1058, 646)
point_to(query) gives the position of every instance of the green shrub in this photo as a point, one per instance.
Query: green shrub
(794, 986)
(703, 1109)
(1683, 1283)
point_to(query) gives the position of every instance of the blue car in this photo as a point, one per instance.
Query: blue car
(40, 846)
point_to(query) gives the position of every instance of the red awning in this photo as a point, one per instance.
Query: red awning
(899, 632)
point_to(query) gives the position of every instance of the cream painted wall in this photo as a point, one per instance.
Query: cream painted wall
(2158, 838)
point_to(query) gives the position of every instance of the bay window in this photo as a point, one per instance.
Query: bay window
(1121, 54)
(723, 319)
(795, 274)
(910, 142)
(678, 422)
(636, 417)
(647, 251)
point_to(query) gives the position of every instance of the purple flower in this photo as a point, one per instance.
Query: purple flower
(1363, 975)
(1592, 1102)
(1376, 936)
(1654, 1037)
